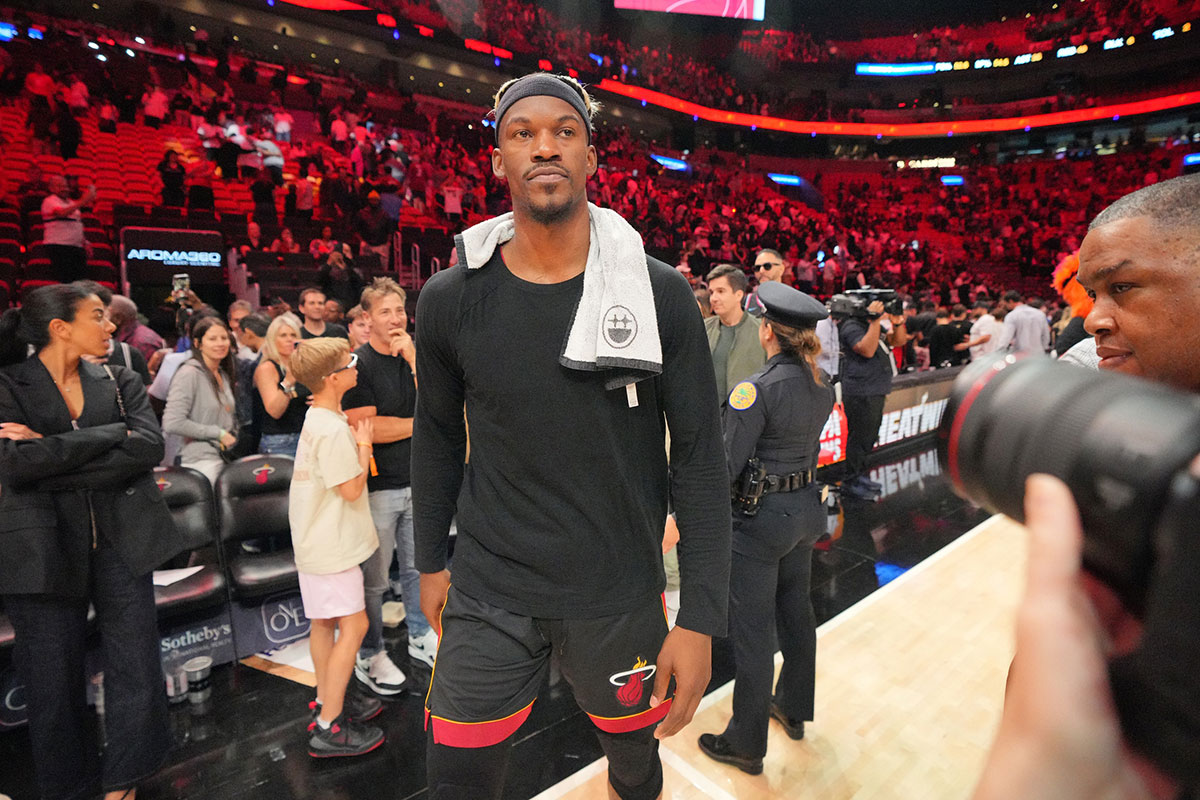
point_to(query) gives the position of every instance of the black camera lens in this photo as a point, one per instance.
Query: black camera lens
(1116, 441)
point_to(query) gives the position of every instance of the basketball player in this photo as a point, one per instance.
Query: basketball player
(561, 510)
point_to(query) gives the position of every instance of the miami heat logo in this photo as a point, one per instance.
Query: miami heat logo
(629, 683)
(620, 327)
(162, 483)
(263, 473)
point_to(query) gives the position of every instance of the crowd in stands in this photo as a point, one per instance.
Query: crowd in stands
(702, 73)
(329, 193)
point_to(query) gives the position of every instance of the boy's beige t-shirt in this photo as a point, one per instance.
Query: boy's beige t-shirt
(329, 534)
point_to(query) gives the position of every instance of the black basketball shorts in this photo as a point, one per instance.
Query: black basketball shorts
(491, 664)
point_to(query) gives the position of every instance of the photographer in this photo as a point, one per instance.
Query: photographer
(1060, 737)
(867, 370)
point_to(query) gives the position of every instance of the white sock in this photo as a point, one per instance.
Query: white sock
(323, 725)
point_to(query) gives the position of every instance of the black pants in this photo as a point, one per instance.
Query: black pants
(769, 601)
(51, 634)
(68, 263)
(863, 415)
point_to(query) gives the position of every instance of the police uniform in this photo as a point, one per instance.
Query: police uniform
(776, 416)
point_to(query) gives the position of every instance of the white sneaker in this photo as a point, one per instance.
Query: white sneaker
(379, 674)
(424, 648)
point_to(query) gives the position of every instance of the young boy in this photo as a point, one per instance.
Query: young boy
(332, 534)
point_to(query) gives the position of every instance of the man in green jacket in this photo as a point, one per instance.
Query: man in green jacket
(732, 333)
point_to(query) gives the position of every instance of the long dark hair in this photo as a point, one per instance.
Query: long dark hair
(227, 365)
(29, 325)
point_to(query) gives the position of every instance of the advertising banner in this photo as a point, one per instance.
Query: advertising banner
(912, 410)
(150, 256)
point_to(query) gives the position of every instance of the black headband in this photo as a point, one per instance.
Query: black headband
(542, 84)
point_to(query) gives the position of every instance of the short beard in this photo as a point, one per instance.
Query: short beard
(552, 215)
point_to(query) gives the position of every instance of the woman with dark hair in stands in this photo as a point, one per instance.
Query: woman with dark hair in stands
(81, 523)
(173, 175)
(286, 243)
(201, 401)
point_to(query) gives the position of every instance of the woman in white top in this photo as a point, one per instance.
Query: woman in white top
(200, 404)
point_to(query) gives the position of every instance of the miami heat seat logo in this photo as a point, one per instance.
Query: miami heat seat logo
(629, 683)
(263, 474)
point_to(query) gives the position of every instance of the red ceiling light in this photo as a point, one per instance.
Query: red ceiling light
(386, 20)
(904, 129)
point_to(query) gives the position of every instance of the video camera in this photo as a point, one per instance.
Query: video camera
(1128, 451)
(854, 302)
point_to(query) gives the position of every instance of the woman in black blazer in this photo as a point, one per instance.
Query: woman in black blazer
(81, 521)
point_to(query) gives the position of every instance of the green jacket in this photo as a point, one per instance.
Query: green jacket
(747, 356)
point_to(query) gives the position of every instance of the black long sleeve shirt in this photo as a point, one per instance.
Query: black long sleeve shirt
(560, 511)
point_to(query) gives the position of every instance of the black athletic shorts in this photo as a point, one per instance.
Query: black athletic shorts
(491, 663)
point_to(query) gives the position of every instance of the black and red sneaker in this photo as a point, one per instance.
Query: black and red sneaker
(355, 708)
(342, 739)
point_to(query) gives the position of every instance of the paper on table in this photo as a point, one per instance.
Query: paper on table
(165, 577)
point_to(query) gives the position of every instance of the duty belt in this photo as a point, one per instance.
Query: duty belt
(793, 481)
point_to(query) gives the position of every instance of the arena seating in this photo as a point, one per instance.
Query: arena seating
(189, 496)
(252, 495)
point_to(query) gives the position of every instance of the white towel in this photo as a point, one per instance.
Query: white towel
(615, 326)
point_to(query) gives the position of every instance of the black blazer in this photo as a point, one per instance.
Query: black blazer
(63, 494)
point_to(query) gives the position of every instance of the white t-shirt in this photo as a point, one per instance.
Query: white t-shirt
(283, 122)
(328, 534)
(339, 131)
(66, 230)
(986, 324)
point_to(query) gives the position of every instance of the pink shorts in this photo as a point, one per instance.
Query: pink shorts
(328, 596)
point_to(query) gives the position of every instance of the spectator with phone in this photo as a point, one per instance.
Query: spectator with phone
(282, 401)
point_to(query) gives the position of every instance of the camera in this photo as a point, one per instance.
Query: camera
(854, 302)
(1128, 451)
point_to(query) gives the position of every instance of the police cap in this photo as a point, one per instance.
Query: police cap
(783, 304)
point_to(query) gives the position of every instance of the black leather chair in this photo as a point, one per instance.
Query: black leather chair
(252, 497)
(189, 495)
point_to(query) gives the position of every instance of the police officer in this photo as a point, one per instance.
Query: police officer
(773, 424)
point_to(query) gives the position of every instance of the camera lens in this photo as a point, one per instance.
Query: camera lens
(1116, 441)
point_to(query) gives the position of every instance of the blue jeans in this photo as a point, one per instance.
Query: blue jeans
(391, 509)
(279, 444)
(51, 639)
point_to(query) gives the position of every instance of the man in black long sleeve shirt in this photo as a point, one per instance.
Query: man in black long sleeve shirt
(561, 509)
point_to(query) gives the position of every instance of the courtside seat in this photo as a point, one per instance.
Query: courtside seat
(252, 498)
(189, 496)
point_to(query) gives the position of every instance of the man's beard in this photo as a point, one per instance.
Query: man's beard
(553, 214)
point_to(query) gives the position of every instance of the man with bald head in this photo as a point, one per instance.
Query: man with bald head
(1059, 736)
(1140, 263)
(124, 314)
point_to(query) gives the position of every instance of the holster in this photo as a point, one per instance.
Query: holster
(749, 487)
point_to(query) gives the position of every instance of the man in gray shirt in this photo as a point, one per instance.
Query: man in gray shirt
(1026, 329)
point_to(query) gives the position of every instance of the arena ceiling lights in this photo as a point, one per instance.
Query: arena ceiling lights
(931, 67)
(910, 129)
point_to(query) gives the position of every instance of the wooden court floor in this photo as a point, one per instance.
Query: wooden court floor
(910, 683)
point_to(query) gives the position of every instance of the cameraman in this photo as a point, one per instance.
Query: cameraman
(867, 370)
(1059, 737)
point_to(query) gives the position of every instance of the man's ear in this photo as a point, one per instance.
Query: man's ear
(593, 160)
(498, 164)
